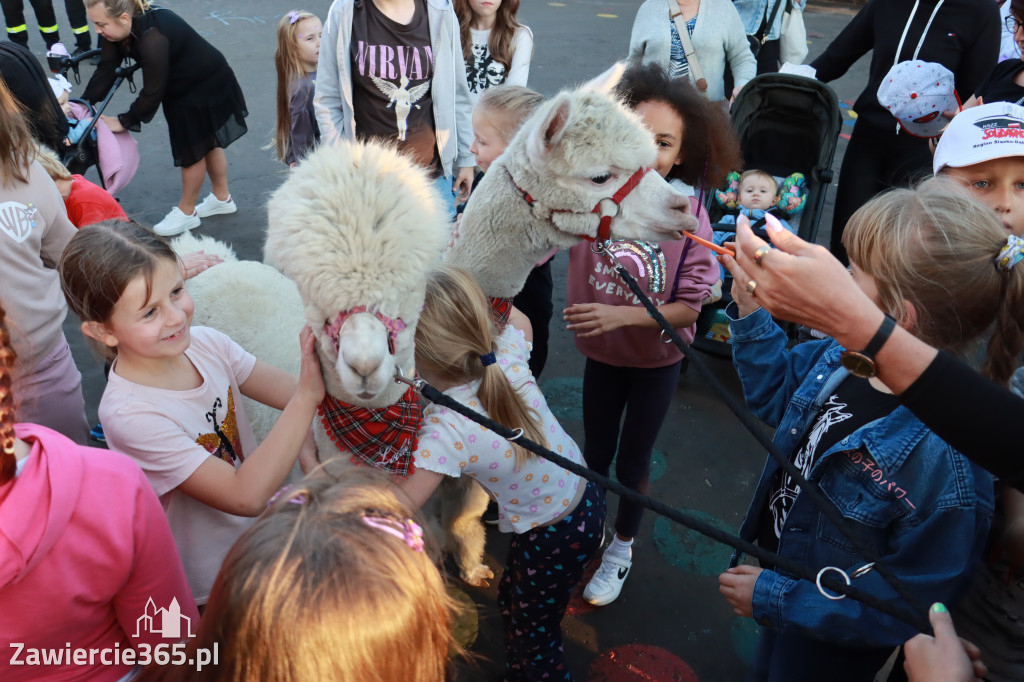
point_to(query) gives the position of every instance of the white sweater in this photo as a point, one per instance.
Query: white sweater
(717, 36)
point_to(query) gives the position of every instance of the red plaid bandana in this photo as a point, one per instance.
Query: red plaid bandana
(501, 308)
(384, 438)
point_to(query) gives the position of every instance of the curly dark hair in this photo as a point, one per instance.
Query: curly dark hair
(710, 147)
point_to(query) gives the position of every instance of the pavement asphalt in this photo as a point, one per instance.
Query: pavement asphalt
(670, 623)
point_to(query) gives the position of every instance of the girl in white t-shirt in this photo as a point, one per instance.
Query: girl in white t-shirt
(557, 517)
(172, 400)
(496, 47)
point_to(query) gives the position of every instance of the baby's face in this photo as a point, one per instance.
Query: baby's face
(757, 192)
(999, 184)
(65, 104)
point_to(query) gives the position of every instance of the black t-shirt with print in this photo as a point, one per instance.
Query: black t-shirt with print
(392, 68)
(854, 404)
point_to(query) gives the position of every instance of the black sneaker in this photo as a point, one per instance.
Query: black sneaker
(490, 516)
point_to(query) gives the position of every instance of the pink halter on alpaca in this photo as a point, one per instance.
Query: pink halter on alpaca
(392, 325)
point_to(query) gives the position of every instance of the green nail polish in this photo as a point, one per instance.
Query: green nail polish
(938, 607)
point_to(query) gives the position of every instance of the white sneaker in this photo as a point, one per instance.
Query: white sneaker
(211, 205)
(176, 222)
(607, 582)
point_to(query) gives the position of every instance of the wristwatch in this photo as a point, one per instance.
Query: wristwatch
(862, 363)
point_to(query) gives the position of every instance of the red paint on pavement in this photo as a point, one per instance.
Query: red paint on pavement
(640, 663)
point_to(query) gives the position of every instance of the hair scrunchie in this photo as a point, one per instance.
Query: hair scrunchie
(488, 359)
(1011, 254)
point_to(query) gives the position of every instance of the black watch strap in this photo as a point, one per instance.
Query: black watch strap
(880, 337)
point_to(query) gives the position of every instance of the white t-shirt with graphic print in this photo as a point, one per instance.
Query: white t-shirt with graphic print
(451, 444)
(483, 71)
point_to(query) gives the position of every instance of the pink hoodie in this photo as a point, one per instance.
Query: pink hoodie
(84, 546)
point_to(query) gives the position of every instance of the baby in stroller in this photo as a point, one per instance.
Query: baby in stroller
(90, 142)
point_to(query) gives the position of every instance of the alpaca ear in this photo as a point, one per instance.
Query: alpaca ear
(548, 133)
(606, 82)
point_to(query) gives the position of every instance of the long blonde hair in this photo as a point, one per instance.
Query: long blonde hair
(936, 248)
(47, 158)
(116, 8)
(313, 591)
(8, 464)
(289, 71)
(16, 142)
(454, 332)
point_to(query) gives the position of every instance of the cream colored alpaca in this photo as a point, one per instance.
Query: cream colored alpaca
(570, 157)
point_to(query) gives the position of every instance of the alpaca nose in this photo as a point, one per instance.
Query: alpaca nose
(363, 364)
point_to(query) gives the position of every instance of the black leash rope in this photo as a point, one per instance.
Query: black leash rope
(824, 578)
(813, 492)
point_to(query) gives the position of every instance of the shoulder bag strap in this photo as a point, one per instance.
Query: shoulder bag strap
(766, 24)
(696, 73)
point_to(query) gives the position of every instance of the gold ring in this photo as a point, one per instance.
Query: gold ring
(759, 254)
(751, 287)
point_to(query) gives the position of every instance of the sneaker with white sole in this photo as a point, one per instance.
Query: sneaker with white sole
(176, 222)
(607, 582)
(211, 205)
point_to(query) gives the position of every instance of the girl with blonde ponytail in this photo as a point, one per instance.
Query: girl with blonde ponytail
(85, 546)
(547, 509)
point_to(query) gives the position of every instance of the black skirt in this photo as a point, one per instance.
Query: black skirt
(211, 115)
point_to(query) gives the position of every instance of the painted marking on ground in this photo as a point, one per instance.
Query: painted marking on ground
(640, 663)
(565, 397)
(608, 16)
(689, 550)
(744, 633)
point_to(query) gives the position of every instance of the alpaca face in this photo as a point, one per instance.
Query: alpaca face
(365, 364)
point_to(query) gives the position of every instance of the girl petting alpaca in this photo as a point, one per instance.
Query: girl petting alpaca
(557, 518)
(343, 564)
(82, 527)
(298, 49)
(496, 118)
(172, 397)
(629, 369)
(929, 259)
(496, 47)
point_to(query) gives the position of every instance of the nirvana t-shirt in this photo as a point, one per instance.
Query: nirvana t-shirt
(392, 67)
(854, 404)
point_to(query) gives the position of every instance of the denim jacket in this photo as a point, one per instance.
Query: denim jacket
(921, 506)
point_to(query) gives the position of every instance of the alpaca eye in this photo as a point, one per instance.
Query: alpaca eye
(601, 179)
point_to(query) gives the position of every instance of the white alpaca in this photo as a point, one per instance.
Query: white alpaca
(556, 180)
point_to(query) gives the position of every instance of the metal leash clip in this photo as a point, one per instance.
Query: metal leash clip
(859, 573)
(417, 383)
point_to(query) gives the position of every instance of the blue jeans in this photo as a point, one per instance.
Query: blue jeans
(444, 187)
(793, 657)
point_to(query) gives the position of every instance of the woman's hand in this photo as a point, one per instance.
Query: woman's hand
(804, 283)
(944, 657)
(113, 123)
(192, 264)
(594, 319)
(737, 586)
(311, 381)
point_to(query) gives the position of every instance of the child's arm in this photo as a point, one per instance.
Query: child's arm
(519, 69)
(245, 491)
(419, 486)
(520, 321)
(303, 122)
(594, 319)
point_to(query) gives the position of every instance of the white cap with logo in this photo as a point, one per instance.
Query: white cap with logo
(979, 134)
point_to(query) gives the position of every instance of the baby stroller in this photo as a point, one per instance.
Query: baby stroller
(86, 153)
(786, 124)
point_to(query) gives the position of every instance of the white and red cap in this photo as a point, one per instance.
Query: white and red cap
(979, 134)
(916, 93)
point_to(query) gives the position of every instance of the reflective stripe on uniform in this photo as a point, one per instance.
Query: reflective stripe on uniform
(17, 29)
(80, 29)
(48, 29)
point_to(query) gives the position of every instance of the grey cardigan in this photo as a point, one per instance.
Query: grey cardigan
(717, 36)
(453, 108)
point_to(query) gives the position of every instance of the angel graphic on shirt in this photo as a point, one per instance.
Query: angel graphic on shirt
(403, 98)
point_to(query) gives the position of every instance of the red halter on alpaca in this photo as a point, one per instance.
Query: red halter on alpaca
(604, 228)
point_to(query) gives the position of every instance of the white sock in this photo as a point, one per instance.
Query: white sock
(620, 548)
